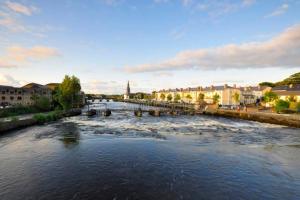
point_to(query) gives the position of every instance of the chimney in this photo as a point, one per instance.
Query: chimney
(211, 87)
(225, 86)
(234, 85)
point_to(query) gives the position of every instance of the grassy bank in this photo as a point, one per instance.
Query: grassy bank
(48, 117)
(36, 120)
(18, 110)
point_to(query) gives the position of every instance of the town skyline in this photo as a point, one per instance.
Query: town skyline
(156, 44)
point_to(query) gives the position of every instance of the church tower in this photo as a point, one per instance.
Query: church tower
(127, 93)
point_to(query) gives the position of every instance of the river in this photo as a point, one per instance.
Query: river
(124, 157)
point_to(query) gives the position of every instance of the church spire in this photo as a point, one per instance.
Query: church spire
(127, 93)
(128, 89)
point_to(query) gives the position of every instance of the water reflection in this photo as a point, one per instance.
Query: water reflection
(70, 134)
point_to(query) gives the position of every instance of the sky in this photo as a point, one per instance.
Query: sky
(154, 44)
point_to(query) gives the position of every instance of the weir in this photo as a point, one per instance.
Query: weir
(139, 108)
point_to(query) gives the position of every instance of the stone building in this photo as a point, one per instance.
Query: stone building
(23, 95)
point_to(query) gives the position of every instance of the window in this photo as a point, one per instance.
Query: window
(11, 92)
(11, 98)
(19, 98)
(3, 92)
(3, 98)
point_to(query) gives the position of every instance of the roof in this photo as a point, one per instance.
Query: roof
(33, 85)
(210, 88)
(7, 87)
(287, 90)
(291, 87)
(52, 86)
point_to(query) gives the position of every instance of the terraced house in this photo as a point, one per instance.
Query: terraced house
(23, 95)
(285, 92)
(226, 95)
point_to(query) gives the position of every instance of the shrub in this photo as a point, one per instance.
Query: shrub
(293, 105)
(14, 119)
(43, 103)
(270, 96)
(43, 118)
(281, 105)
(40, 118)
(17, 110)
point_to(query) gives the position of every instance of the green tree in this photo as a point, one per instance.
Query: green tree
(42, 103)
(153, 95)
(293, 79)
(68, 93)
(201, 97)
(177, 98)
(269, 84)
(270, 96)
(169, 97)
(292, 98)
(189, 97)
(216, 98)
(55, 99)
(162, 96)
(236, 97)
(281, 105)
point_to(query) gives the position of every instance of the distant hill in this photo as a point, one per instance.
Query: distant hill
(293, 79)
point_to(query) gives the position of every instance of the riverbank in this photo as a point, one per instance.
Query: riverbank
(292, 120)
(16, 124)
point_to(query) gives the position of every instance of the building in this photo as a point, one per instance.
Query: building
(286, 92)
(127, 92)
(23, 95)
(253, 94)
(225, 95)
(52, 86)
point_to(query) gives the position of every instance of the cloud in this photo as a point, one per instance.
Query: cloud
(11, 23)
(9, 80)
(104, 87)
(179, 33)
(162, 74)
(112, 2)
(12, 19)
(279, 11)
(17, 55)
(161, 1)
(248, 2)
(4, 63)
(282, 50)
(186, 2)
(20, 8)
(215, 8)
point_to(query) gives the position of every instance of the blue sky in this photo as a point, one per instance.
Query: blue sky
(153, 43)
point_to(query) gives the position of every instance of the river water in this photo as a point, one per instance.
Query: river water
(124, 157)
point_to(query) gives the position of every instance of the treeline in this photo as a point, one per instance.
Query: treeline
(293, 79)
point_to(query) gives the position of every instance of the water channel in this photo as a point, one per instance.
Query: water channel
(125, 157)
